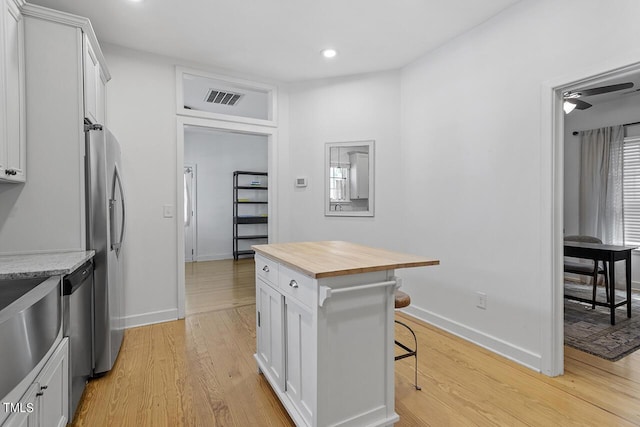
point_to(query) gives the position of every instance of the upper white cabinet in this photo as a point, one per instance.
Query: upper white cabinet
(12, 111)
(94, 84)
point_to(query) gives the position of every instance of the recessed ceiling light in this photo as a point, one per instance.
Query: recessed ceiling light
(329, 53)
(136, 1)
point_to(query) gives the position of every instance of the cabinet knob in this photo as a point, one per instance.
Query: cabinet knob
(265, 268)
(293, 284)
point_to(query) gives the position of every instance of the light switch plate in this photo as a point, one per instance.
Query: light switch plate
(167, 211)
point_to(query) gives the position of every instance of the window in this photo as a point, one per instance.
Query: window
(631, 190)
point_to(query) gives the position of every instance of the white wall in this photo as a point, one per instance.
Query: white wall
(141, 102)
(458, 164)
(217, 155)
(356, 108)
(141, 114)
(471, 150)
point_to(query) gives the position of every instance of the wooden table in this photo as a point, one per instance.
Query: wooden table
(610, 254)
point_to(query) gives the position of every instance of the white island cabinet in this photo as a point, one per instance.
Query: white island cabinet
(325, 331)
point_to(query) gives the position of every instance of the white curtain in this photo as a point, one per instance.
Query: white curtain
(601, 166)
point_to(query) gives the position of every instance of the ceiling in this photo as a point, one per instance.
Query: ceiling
(281, 40)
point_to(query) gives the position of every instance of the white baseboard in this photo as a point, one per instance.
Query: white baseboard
(214, 257)
(150, 318)
(512, 352)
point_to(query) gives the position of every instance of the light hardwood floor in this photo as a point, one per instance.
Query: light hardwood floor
(200, 372)
(217, 285)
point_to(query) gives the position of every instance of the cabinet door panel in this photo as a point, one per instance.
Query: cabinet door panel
(15, 153)
(300, 379)
(25, 413)
(270, 330)
(91, 79)
(54, 386)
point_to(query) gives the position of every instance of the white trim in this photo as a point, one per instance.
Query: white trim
(150, 318)
(272, 156)
(270, 89)
(214, 257)
(552, 199)
(84, 24)
(503, 348)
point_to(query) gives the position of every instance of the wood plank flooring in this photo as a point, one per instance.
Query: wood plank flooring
(217, 285)
(200, 372)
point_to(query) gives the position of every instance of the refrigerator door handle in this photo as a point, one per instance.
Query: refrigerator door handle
(117, 180)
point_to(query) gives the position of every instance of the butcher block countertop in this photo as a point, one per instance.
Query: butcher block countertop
(337, 258)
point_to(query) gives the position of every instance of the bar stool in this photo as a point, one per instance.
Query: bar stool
(403, 300)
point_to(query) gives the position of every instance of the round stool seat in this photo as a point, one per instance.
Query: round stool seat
(402, 299)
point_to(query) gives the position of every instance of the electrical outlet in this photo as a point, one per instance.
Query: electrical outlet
(482, 300)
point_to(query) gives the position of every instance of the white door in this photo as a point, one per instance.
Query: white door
(190, 254)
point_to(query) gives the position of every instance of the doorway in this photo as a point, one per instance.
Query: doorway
(553, 191)
(209, 144)
(213, 279)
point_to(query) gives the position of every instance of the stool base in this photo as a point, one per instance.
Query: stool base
(409, 352)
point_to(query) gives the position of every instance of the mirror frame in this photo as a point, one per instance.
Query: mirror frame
(327, 200)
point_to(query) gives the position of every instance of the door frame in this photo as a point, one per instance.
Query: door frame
(272, 193)
(194, 209)
(552, 200)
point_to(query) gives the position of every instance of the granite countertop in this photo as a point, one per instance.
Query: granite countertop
(27, 266)
(336, 258)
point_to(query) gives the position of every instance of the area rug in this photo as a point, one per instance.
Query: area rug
(590, 329)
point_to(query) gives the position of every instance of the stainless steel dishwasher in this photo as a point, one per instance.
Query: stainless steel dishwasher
(78, 326)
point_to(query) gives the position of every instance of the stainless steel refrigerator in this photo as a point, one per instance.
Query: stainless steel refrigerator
(106, 214)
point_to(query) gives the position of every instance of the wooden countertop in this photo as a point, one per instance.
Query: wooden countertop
(337, 258)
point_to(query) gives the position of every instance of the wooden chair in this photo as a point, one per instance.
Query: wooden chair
(403, 300)
(592, 269)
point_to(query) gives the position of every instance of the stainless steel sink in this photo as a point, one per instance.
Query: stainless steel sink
(30, 319)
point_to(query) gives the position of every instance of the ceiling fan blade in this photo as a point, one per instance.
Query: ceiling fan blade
(605, 89)
(580, 105)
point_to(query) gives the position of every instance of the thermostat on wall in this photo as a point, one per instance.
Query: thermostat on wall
(301, 181)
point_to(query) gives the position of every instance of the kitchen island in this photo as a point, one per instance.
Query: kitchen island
(325, 331)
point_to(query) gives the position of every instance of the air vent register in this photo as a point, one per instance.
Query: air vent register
(216, 96)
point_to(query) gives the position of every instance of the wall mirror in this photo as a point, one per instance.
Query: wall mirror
(349, 187)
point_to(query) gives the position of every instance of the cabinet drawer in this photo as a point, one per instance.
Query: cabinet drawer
(267, 270)
(297, 285)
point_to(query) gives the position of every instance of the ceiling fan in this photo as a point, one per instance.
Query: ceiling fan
(572, 102)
